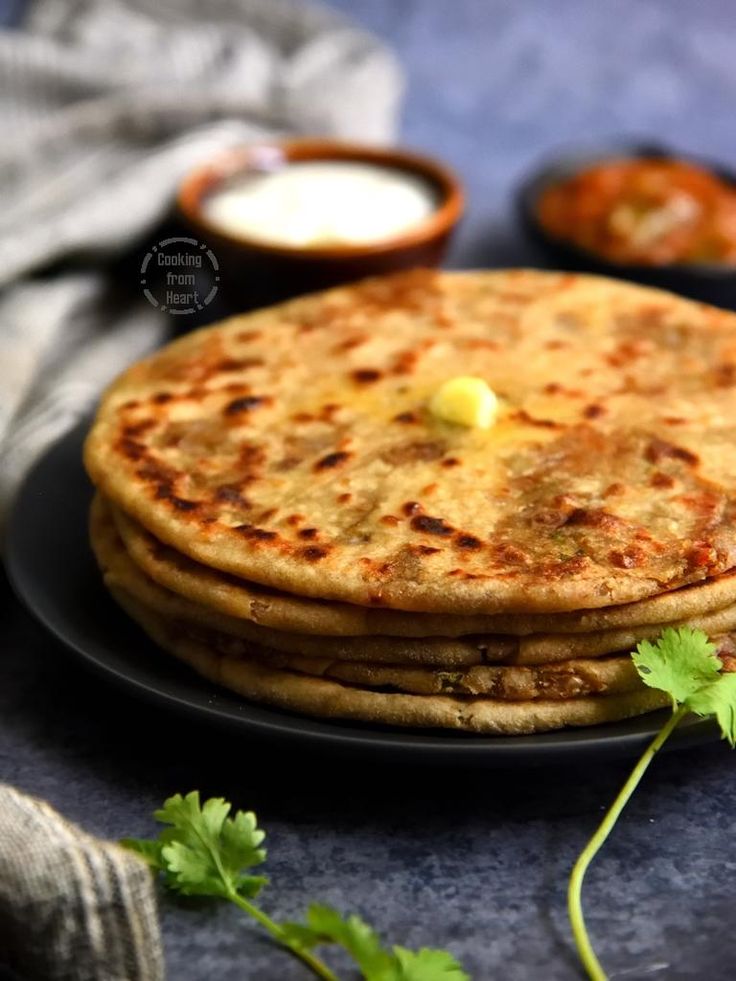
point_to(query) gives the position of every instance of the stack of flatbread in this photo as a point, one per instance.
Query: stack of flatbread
(279, 507)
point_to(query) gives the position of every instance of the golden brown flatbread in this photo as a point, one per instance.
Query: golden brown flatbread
(292, 446)
(120, 570)
(327, 699)
(370, 662)
(281, 611)
(447, 652)
(570, 679)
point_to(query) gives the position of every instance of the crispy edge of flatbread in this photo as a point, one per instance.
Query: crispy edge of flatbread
(120, 569)
(325, 699)
(308, 655)
(568, 679)
(283, 611)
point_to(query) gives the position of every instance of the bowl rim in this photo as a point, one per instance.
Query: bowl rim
(200, 181)
(571, 160)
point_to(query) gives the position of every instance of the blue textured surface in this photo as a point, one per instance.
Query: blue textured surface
(476, 861)
(11, 12)
(495, 84)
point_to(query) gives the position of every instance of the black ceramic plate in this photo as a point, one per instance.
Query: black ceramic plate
(710, 283)
(53, 572)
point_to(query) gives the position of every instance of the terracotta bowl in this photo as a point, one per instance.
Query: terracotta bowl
(255, 272)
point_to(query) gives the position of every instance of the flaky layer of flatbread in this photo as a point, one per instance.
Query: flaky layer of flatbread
(297, 614)
(327, 699)
(447, 652)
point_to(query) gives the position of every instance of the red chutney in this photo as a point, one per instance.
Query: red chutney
(644, 211)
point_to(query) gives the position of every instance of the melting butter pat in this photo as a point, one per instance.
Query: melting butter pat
(466, 401)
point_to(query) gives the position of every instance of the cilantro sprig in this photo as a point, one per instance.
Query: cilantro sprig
(203, 851)
(684, 664)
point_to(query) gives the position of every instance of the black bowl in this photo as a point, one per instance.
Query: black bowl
(709, 283)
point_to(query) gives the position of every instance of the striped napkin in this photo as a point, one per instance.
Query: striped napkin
(72, 907)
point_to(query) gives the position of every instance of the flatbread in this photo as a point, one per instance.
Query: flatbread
(281, 611)
(120, 571)
(447, 652)
(371, 662)
(292, 446)
(569, 679)
(327, 699)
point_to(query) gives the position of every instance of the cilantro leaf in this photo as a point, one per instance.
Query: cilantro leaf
(204, 851)
(680, 662)
(149, 851)
(718, 699)
(326, 925)
(684, 663)
(299, 935)
(427, 965)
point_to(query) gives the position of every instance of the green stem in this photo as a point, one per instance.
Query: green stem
(574, 904)
(313, 962)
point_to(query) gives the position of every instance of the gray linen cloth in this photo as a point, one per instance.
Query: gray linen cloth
(72, 907)
(104, 105)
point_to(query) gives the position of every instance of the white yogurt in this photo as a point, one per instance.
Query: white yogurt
(321, 202)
